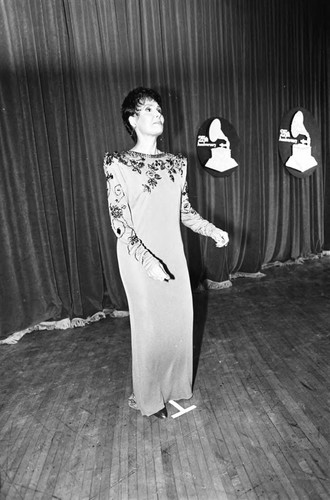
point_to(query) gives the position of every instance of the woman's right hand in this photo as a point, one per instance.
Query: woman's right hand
(157, 272)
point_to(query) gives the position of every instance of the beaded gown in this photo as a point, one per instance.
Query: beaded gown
(147, 198)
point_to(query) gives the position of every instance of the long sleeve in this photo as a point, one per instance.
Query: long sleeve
(192, 219)
(120, 215)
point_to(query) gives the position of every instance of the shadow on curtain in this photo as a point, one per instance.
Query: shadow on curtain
(65, 68)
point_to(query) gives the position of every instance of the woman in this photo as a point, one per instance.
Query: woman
(147, 197)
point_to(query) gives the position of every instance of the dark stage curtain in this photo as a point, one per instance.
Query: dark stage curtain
(65, 68)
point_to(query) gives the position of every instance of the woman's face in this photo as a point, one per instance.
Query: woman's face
(148, 119)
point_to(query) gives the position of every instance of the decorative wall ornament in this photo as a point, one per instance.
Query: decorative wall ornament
(300, 143)
(218, 147)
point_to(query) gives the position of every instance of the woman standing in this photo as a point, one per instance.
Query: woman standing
(147, 197)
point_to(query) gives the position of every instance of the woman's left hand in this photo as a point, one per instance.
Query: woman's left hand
(220, 237)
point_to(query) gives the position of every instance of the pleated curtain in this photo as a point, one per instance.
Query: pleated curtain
(66, 67)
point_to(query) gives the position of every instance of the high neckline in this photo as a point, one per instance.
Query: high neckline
(146, 155)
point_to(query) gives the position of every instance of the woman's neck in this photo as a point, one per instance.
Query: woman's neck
(146, 147)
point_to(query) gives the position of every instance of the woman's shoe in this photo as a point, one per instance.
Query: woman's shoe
(161, 413)
(132, 402)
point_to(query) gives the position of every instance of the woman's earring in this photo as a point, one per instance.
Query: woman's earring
(132, 122)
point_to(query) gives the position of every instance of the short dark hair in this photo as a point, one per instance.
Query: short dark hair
(134, 99)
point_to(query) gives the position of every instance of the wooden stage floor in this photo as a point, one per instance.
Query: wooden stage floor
(261, 429)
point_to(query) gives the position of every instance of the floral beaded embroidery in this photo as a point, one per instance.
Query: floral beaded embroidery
(186, 207)
(116, 209)
(172, 164)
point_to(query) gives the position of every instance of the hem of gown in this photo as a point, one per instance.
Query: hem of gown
(182, 398)
(163, 404)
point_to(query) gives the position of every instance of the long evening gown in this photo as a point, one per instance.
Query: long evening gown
(147, 197)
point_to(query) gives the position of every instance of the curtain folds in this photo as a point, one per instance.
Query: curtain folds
(65, 69)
